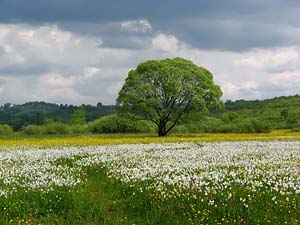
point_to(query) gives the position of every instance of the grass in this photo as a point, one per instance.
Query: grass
(106, 201)
(94, 202)
(111, 139)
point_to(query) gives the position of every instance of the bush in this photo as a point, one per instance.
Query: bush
(262, 126)
(79, 129)
(246, 126)
(227, 128)
(295, 126)
(229, 117)
(116, 124)
(5, 129)
(57, 128)
(50, 128)
(292, 122)
(34, 130)
(182, 128)
(205, 125)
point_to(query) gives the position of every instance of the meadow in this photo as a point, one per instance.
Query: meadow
(140, 179)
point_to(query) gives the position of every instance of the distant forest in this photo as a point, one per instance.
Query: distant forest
(280, 112)
(20, 116)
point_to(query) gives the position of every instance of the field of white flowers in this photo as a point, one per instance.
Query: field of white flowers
(273, 165)
(211, 174)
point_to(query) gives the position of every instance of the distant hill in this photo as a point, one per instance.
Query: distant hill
(19, 116)
(277, 102)
(280, 111)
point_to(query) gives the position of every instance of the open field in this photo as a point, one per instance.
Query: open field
(197, 182)
(87, 140)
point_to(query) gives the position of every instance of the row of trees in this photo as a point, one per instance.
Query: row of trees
(35, 113)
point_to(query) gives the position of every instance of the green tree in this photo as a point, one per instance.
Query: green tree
(78, 117)
(284, 114)
(166, 91)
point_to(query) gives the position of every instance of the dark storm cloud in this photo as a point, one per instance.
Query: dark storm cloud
(208, 24)
(114, 10)
(111, 34)
(95, 10)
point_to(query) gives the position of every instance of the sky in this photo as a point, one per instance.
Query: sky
(80, 51)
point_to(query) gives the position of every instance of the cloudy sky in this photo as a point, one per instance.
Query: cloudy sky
(80, 51)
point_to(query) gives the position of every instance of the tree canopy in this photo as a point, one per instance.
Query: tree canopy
(78, 117)
(165, 91)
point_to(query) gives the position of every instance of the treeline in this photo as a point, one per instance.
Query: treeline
(40, 118)
(280, 112)
(241, 116)
(258, 116)
(37, 113)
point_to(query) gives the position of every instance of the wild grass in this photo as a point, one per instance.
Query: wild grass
(111, 139)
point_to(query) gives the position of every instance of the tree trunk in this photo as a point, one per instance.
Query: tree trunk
(162, 130)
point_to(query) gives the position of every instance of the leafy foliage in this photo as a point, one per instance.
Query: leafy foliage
(245, 126)
(55, 128)
(5, 129)
(78, 117)
(117, 124)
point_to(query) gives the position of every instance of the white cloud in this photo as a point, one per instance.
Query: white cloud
(269, 58)
(288, 79)
(50, 64)
(90, 72)
(243, 90)
(48, 45)
(57, 80)
(136, 25)
(168, 43)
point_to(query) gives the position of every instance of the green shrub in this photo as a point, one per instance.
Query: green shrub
(229, 117)
(246, 126)
(227, 128)
(5, 129)
(106, 124)
(79, 129)
(181, 128)
(50, 128)
(116, 124)
(295, 126)
(205, 125)
(292, 122)
(210, 124)
(34, 130)
(78, 117)
(57, 128)
(262, 126)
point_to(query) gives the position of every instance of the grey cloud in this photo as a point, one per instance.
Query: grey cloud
(225, 25)
(111, 34)
(114, 10)
(24, 70)
(232, 35)
(271, 90)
